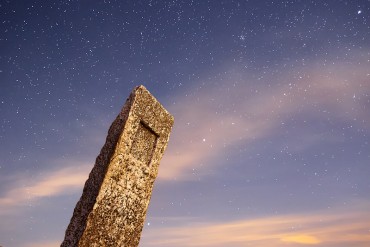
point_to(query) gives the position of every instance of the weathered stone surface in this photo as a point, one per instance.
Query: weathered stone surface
(112, 208)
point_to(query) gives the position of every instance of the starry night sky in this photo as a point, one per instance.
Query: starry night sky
(271, 101)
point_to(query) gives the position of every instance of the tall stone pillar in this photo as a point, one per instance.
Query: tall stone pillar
(113, 205)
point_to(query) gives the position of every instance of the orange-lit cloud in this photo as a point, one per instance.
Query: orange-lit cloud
(340, 227)
(301, 239)
(208, 121)
(25, 190)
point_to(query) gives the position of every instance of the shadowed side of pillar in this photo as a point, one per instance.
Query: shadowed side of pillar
(92, 185)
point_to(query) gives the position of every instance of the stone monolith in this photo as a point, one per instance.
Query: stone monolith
(115, 198)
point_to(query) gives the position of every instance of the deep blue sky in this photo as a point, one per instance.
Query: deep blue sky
(272, 116)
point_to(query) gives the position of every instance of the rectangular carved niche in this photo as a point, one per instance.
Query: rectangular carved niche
(144, 144)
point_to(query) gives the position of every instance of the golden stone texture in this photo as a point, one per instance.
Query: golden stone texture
(112, 208)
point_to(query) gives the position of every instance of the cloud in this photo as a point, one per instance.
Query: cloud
(339, 227)
(301, 239)
(209, 120)
(25, 190)
(44, 244)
